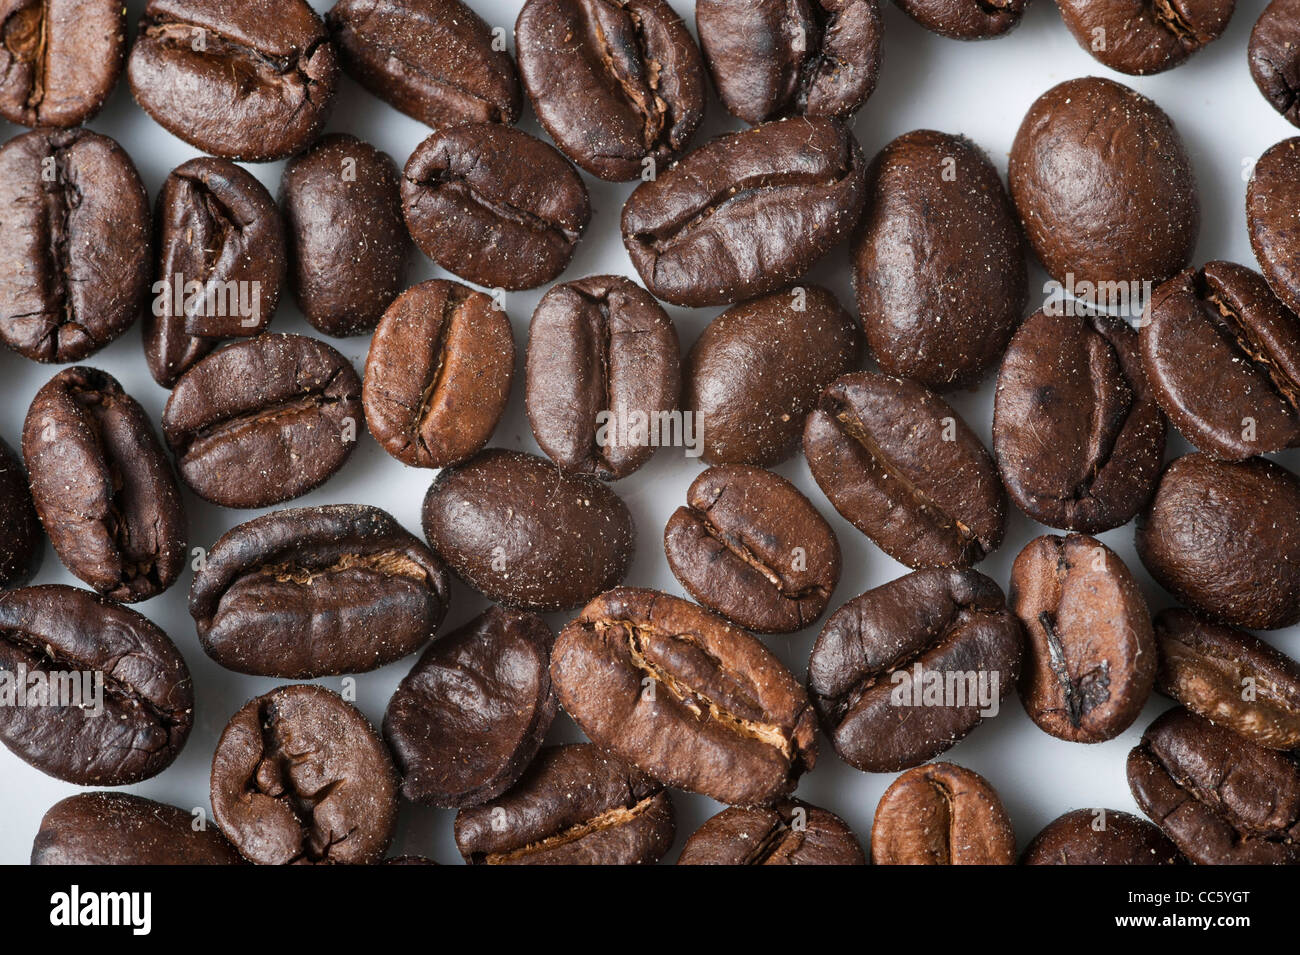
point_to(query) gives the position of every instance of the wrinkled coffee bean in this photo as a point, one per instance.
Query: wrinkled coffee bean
(1275, 57)
(22, 540)
(1141, 37)
(941, 814)
(1271, 199)
(1100, 837)
(789, 833)
(964, 19)
(112, 828)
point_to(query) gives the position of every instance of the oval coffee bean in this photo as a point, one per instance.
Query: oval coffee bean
(575, 806)
(299, 776)
(1077, 432)
(22, 540)
(263, 420)
(317, 591)
(755, 373)
(1271, 198)
(1100, 837)
(776, 197)
(941, 316)
(74, 243)
(1225, 539)
(438, 374)
(1275, 57)
(789, 833)
(964, 20)
(689, 699)
(751, 547)
(618, 84)
(126, 695)
(252, 81)
(494, 205)
(1141, 37)
(526, 534)
(901, 466)
(1090, 657)
(112, 828)
(603, 376)
(941, 814)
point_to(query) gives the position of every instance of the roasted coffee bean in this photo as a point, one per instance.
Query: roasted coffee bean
(684, 696)
(1097, 215)
(494, 205)
(438, 374)
(776, 198)
(964, 20)
(252, 81)
(300, 777)
(1225, 539)
(901, 466)
(317, 591)
(1100, 837)
(22, 542)
(263, 420)
(1141, 37)
(526, 534)
(1090, 655)
(811, 57)
(435, 60)
(1275, 57)
(619, 84)
(112, 828)
(468, 719)
(1271, 199)
(348, 244)
(1230, 677)
(755, 373)
(751, 547)
(941, 814)
(789, 833)
(1078, 435)
(130, 702)
(603, 376)
(942, 316)
(74, 243)
(904, 671)
(574, 806)
(1220, 798)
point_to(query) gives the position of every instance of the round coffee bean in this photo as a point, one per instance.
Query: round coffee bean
(1275, 57)
(22, 541)
(1271, 198)
(941, 814)
(789, 833)
(1141, 37)
(1100, 837)
(963, 20)
(112, 828)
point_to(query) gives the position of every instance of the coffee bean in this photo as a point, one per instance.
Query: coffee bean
(574, 806)
(618, 84)
(941, 814)
(687, 698)
(755, 373)
(1147, 36)
(1225, 539)
(438, 374)
(299, 776)
(526, 534)
(901, 466)
(136, 695)
(74, 243)
(1100, 837)
(103, 486)
(880, 658)
(1078, 436)
(470, 716)
(962, 20)
(348, 243)
(941, 194)
(1271, 198)
(317, 591)
(809, 58)
(1275, 57)
(252, 81)
(22, 541)
(113, 828)
(789, 833)
(603, 376)
(435, 60)
(1090, 656)
(751, 547)
(776, 197)
(264, 420)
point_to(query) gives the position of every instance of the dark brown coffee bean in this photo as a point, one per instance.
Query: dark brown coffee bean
(687, 698)
(468, 719)
(751, 547)
(619, 84)
(901, 466)
(776, 197)
(941, 814)
(1077, 433)
(317, 591)
(438, 374)
(22, 541)
(938, 193)
(113, 828)
(126, 700)
(1271, 199)
(526, 534)
(789, 833)
(1090, 656)
(1100, 837)
(1141, 37)
(603, 376)
(300, 777)
(964, 19)
(1275, 57)
(263, 421)
(435, 60)
(74, 243)
(574, 806)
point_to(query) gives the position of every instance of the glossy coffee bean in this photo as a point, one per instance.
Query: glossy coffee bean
(1141, 37)
(963, 20)
(788, 833)
(1275, 57)
(1100, 837)
(1271, 198)
(941, 814)
(22, 540)
(114, 828)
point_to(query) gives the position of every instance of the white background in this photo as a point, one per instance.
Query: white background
(980, 89)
